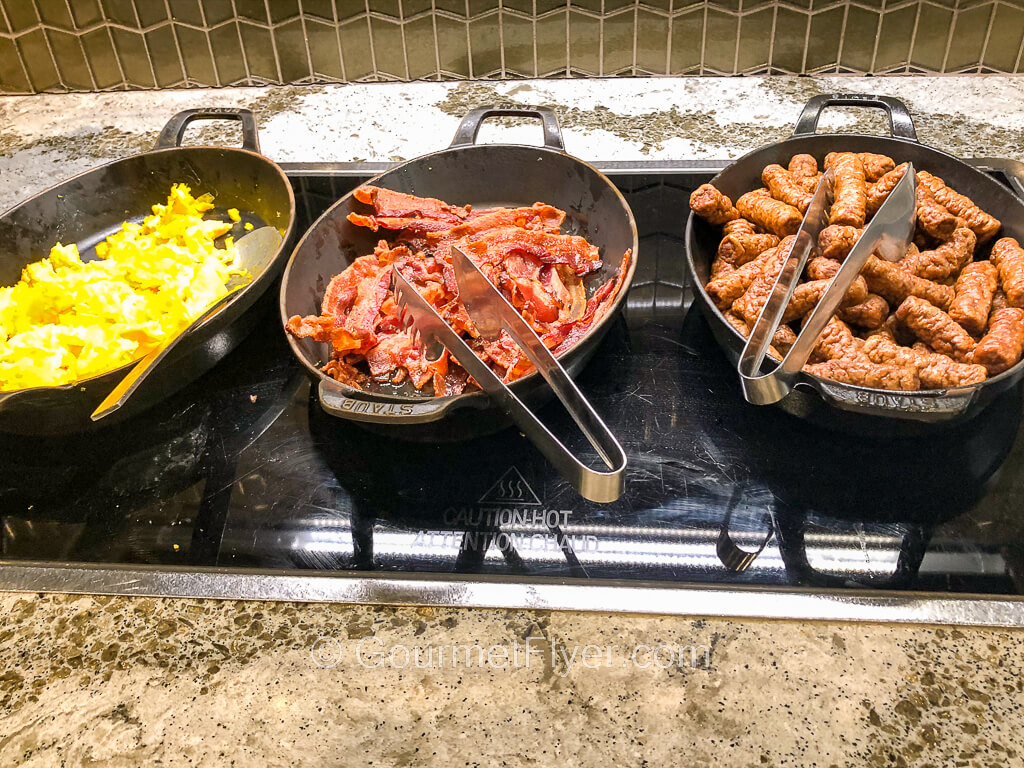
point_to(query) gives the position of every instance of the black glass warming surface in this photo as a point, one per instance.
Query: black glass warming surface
(244, 470)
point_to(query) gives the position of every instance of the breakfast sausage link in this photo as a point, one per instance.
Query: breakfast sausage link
(742, 243)
(870, 313)
(784, 187)
(934, 371)
(803, 165)
(1000, 349)
(768, 213)
(946, 260)
(836, 241)
(981, 223)
(935, 328)
(1008, 256)
(728, 286)
(975, 289)
(849, 206)
(933, 217)
(880, 190)
(875, 166)
(712, 206)
(894, 284)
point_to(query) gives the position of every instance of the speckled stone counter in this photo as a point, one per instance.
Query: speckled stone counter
(138, 681)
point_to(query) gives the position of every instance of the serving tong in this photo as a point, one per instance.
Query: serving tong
(491, 313)
(888, 234)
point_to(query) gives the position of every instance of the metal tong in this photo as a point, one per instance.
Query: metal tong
(491, 314)
(888, 235)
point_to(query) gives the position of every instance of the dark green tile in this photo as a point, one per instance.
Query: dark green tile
(618, 41)
(217, 11)
(664, 5)
(12, 76)
(227, 54)
(894, 39)
(932, 33)
(790, 31)
(195, 52)
(585, 43)
(346, 9)
(457, 7)
(355, 49)
(38, 62)
(259, 51)
(551, 52)
(56, 13)
(420, 48)
(387, 47)
(859, 43)
(323, 49)
(321, 9)
(720, 41)
(150, 13)
(390, 8)
(543, 6)
(163, 50)
(596, 6)
(290, 41)
(518, 45)
(4, 27)
(687, 31)
(484, 46)
(478, 7)
(526, 6)
(252, 10)
(651, 42)
(1007, 37)
(683, 6)
(615, 5)
(99, 49)
(86, 12)
(412, 8)
(131, 51)
(823, 43)
(187, 12)
(70, 58)
(969, 37)
(21, 13)
(283, 10)
(451, 46)
(120, 12)
(727, 5)
(755, 41)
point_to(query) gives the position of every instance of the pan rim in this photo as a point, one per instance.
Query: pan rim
(808, 380)
(466, 398)
(246, 289)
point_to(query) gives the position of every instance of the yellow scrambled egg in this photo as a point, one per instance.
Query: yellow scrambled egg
(66, 320)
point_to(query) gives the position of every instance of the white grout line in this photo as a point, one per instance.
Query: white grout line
(305, 42)
(988, 35)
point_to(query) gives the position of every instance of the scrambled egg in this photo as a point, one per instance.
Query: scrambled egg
(66, 320)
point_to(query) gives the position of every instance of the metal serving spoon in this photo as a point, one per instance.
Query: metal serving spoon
(255, 250)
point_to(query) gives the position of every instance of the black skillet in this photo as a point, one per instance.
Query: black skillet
(88, 207)
(829, 403)
(483, 175)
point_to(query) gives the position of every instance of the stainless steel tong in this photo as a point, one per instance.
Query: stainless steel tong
(888, 235)
(491, 314)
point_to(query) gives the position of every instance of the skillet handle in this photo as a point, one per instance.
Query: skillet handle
(470, 125)
(913, 406)
(901, 124)
(335, 401)
(173, 132)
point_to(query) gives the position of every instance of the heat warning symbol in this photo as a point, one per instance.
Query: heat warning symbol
(511, 489)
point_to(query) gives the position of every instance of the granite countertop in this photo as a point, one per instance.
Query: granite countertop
(93, 680)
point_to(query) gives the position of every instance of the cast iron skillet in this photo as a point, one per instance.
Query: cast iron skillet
(826, 402)
(483, 175)
(90, 206)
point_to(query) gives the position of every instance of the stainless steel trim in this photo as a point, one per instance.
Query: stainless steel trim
(529, 593)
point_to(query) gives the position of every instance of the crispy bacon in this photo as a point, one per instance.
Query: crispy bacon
(520, 250)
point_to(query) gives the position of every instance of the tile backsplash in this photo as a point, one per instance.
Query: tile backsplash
(86, 45)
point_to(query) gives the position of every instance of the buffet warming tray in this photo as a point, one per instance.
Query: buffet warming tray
(240, 487)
